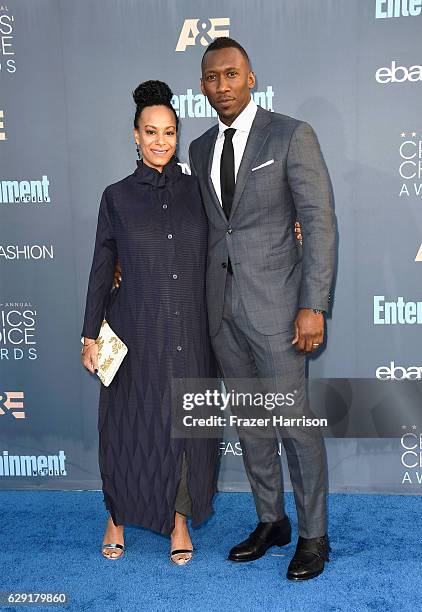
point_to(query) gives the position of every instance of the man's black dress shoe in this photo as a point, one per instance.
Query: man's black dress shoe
(260, 540)
(308, 560)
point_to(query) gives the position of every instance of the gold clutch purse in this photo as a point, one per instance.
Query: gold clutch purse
(111, 352)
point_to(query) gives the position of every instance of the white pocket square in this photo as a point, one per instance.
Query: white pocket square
(268, 163)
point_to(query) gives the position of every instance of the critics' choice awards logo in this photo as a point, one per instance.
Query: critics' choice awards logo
(411, 455)
(410, 165)
(387, 9)
(202, 31)
(11, 402)
(196, 105)
(398, 74)
(2, 130)
(33, 465)
(410, 170)
(7, 52)
(18, 331)
(25, 192)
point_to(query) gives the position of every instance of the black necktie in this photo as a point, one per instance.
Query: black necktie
(227, 171)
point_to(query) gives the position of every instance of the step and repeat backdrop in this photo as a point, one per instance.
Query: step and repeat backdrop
(352, 68)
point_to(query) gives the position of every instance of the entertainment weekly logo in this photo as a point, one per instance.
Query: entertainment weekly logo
(397, 312)
(18, 331)
(388, 9)
(196, 105)
(202, 31)
(32, 466)
(27, 191)
(7, 48)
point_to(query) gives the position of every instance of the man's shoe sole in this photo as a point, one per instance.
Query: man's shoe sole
(302, 579)
(255, 557)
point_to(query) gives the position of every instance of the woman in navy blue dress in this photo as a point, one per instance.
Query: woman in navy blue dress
(154, 224)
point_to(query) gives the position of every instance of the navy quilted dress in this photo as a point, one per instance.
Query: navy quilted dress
(155, 225)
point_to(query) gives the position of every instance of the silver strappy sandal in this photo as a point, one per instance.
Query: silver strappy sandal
(180, 551)
(112, 556)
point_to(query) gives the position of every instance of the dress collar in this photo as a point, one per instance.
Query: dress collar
(151, 176)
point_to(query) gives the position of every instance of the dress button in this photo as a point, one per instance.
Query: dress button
(174, 276)
(179, 348)
(169, 236)
(164, 206)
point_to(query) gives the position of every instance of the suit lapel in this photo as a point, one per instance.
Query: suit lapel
(256, 140)
(208, 157)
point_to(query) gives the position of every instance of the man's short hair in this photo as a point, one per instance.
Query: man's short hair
(224, 42)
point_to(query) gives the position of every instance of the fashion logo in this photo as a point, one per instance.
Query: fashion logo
(398, 74)
(25, 192)
(202, 31)
(7, 62)
(2, 132)
(386, 9)
(18, 322)
(410, 168)
(33, 465)
(235, 449)
(196, 105)
(34, 252)
(11, 401)
(398, 312)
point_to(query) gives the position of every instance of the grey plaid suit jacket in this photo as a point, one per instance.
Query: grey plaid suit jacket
(275, 275)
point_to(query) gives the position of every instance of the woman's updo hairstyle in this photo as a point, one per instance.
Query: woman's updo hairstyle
(151, 93)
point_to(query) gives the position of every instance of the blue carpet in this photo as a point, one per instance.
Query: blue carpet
(50, 542)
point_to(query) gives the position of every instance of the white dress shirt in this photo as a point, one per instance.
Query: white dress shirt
(242, 124)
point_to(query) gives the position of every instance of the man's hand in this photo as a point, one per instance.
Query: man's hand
(298, 232)
(117, 275)
(309, 330)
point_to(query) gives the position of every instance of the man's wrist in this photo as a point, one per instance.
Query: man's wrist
(313, 310)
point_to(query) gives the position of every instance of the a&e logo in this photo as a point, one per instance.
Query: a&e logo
(11, 401)
(202, 31)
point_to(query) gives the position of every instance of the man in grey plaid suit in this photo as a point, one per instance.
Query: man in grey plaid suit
(258, 172)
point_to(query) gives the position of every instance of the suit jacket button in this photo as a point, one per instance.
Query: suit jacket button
(230, 231)
(224, 265)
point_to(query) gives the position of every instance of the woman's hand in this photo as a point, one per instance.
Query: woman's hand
(89, 355)
(117, 275)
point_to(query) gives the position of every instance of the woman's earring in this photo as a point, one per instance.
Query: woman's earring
(138, 152)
